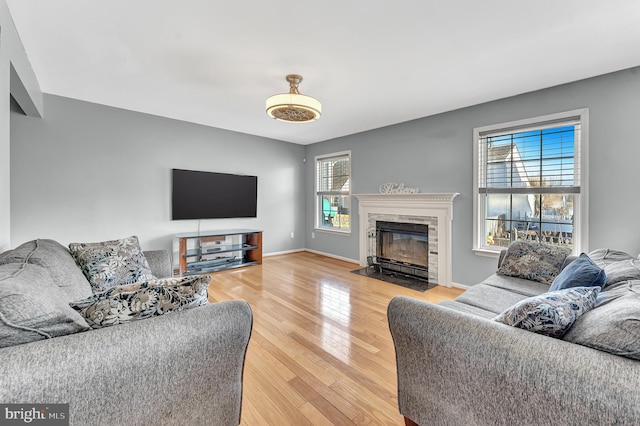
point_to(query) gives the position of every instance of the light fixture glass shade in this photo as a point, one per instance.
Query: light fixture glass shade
(293, 107)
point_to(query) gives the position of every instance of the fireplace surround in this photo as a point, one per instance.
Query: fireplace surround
(433, 210)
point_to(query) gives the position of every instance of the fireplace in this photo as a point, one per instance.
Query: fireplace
(434, 210)
(403, 247)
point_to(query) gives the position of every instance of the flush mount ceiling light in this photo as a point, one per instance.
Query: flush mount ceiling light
(293, 107)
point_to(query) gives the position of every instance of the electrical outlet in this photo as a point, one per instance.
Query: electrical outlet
(292, 234)
(313, 235)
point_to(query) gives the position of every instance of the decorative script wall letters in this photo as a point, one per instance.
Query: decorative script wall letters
(397, 188)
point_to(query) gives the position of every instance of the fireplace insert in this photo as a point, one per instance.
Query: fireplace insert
(403, 248)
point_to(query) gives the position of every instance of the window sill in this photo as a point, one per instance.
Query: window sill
(487, 252)
(332, 231)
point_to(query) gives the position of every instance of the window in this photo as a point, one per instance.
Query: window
(529, 180)
(333, 192)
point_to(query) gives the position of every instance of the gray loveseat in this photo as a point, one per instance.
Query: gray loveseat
(456, 366)
(180, 368)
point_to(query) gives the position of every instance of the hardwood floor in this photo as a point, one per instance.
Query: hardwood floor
(320, 351)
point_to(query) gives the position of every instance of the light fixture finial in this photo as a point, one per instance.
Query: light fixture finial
(294, 80)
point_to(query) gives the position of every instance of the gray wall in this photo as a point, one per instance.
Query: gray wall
(87, 172)
(435, 154)
(17, 78)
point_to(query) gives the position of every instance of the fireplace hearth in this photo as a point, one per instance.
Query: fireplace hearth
(397, 278)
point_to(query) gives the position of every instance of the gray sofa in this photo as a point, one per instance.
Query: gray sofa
(456, 366)
(180, 368)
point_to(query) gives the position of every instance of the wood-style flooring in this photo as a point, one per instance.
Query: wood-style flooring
(320, 351)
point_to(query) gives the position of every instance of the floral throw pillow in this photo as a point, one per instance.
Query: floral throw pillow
(552, 313)
(112, 263)
(131, 302)
(533, 261)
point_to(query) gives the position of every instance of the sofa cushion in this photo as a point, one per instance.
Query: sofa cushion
(490, 298)
(603, 257)
(112, 263)
(58, 262)
(516, 285)
(552, 313)
(580, 273)
(533, 261)
(469, 309)
(143, 300)
(621, 271)
(33, 307)
(614, 325)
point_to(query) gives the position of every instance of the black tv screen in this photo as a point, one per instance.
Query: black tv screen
(209, 195)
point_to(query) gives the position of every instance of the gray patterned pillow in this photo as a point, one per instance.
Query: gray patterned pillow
(621, 271)
(33, 307)
(112, 263)
(614, 325)
(143, 300)
(605, 256)
(552, 313)
(55, 258)
(533, 261)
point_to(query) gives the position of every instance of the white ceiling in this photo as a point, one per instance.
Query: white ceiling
(371, 63)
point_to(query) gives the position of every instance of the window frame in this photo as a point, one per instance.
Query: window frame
(317, 208)
(581, 201)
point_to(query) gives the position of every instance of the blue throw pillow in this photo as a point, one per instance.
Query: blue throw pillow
(582, 272)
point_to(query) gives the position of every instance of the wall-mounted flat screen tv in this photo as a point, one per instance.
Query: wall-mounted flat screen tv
(209, 195)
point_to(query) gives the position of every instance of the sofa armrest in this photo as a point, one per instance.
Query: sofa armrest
(179, 368)
(159, 262)
(456, 368)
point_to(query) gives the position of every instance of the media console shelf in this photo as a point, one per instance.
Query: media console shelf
(210, 251)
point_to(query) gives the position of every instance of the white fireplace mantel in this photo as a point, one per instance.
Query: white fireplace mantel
(439, 205)
(420, 197)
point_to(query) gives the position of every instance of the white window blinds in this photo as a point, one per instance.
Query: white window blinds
(333, 175)
(544, 159)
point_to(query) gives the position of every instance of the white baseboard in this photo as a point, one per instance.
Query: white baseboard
(462, 286)
(346, 259)
(278, 253)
